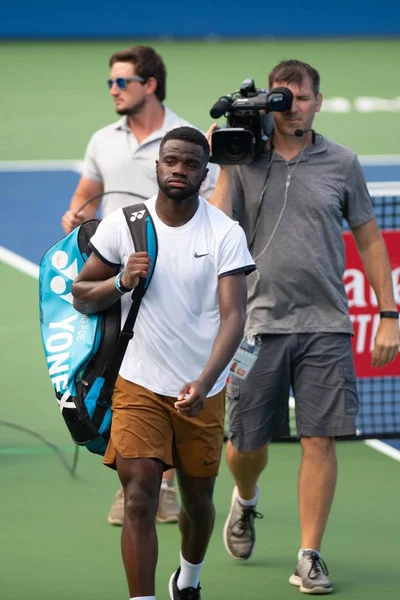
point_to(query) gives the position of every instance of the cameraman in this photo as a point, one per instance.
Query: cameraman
(291, 204)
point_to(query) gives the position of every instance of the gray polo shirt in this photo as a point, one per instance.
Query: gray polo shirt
(116, 159)
(298, 286)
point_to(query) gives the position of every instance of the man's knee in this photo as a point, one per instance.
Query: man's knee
(140, 505)
(199, 508)
(141, 479)
(260, 455)
(318, 447)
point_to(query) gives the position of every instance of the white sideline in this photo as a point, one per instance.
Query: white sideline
(384, 188)
(378, 188)
(18, 262)
(379, 159)
(76, 165)
(384, 448)
(41, 165)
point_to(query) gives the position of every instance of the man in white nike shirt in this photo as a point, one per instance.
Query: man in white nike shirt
(169, 399)
(121, 157)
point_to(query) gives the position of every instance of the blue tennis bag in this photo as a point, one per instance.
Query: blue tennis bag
(84, 352)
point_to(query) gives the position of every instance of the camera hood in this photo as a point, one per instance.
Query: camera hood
(232, 146)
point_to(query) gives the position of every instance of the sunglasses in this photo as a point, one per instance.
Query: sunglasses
(122, 82)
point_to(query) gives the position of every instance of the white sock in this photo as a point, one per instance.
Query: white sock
(302, 550)
(251, 502)
(143, 598)
(189, 575)
(164, 484)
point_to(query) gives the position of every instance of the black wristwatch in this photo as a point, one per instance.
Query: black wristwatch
(389, 314)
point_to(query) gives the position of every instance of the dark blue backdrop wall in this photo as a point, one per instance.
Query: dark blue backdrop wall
(177, 18)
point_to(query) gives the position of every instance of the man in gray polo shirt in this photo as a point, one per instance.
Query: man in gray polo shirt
(291, 204)
(121, 157)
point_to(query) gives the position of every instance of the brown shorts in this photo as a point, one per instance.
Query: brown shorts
(146, 425)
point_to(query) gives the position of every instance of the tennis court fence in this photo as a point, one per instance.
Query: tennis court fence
(379, 414)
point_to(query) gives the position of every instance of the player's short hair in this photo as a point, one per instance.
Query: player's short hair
(147, 64)
(187, 134)
(294, 71)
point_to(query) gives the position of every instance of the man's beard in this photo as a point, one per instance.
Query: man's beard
(132, 111)
(175, 193)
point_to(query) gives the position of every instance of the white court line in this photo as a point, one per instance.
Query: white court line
(18, 262)
(379, 159)
(384, 448)
(76, 165)
(384, 188)
(41, 165)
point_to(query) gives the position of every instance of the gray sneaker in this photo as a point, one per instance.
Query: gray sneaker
(239, 532)
(116, 514)
(311, 575)
(168, 506)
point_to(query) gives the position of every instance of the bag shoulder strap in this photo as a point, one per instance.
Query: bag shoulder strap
(144, 237)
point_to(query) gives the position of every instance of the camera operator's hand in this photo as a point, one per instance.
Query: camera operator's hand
(138, 265)
(209, 133)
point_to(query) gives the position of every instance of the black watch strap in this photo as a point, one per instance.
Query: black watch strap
(119, 285)
(389, 314)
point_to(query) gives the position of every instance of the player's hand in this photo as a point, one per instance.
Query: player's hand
(387, 342)
(71, 220)
(191, 398)
(138, 265)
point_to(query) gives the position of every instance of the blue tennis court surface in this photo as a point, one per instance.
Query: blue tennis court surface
(34, 201)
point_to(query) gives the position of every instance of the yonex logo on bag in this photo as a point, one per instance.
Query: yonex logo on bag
(61, 284)
(137, 215)
(59, 343)
(58, 357)
(63, 402)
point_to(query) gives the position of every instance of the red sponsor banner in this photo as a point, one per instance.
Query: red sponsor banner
(364, 311)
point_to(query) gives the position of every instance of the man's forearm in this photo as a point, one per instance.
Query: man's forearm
(89, 211)
(226, 343)
(94, 296)
(222, 195)
(377, 268)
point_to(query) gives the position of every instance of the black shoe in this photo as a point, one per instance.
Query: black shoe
(185, 594)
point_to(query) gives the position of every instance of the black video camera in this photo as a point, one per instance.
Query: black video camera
(249, 122)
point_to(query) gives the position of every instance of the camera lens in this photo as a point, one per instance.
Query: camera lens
(235, 149)
(232, 146)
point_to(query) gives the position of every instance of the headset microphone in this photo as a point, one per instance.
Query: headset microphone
(301, 132)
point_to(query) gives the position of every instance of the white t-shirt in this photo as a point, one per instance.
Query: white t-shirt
(179, 317)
